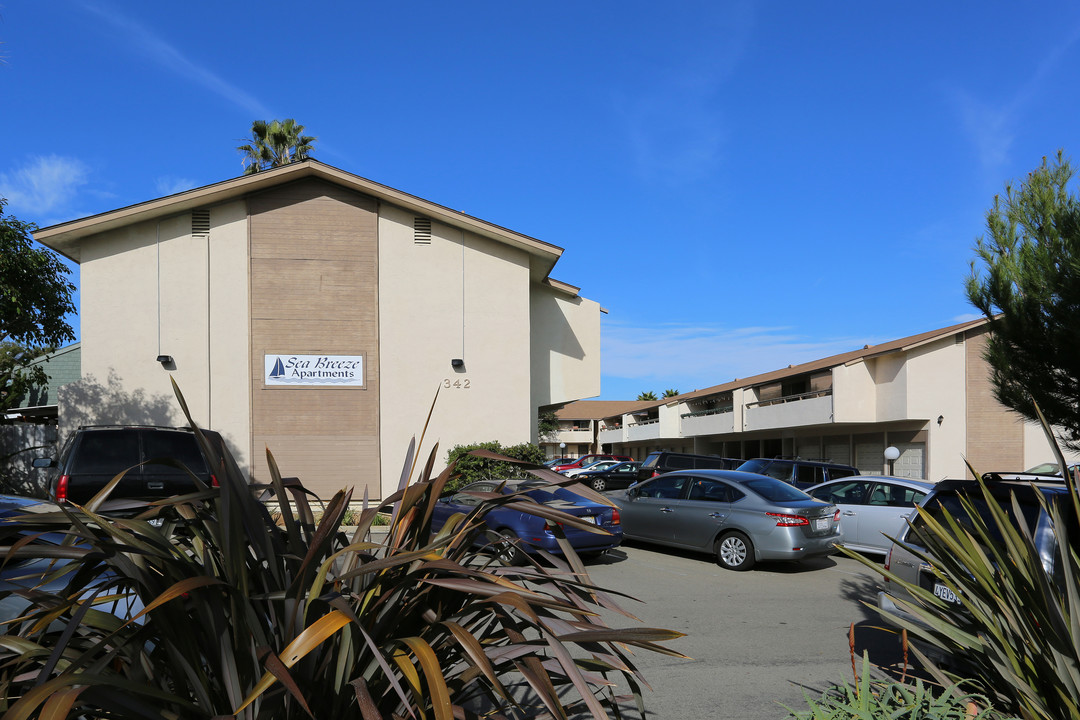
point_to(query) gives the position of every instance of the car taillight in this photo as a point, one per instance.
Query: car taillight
(836, 515)
(783, 520)
(213, 481)
(62, 488)
(616, 518)
(654, 474)
(888, 558)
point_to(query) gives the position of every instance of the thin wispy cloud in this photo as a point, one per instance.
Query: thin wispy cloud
(171, 185)
(992, 126)
(695, 357)
(146, 42)
(45, 186)
(673, 122)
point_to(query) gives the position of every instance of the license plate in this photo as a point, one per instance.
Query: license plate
(943, 592)
(821, 523)
(589, 519)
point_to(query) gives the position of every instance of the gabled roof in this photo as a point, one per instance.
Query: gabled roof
(849, 358)
(65, 238)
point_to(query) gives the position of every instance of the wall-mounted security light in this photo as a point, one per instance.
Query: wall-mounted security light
(165, 360)
(457, 363)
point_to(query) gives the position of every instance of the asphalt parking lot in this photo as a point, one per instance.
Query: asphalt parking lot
(758, 638)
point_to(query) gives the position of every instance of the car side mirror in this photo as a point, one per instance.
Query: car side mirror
(43, 462)
(633, 492)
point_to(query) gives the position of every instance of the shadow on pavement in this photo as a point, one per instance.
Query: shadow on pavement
(779, 567)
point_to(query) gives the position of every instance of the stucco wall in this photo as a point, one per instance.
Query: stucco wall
(153, 289)
(565, 346)
(854, 394)
(460, 297)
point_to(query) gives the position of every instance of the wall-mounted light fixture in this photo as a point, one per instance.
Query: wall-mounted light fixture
(457, 363)
(165, 360)
(940, 419)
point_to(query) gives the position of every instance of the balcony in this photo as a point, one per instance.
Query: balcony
(812, 408)
(709, 422)
(611, 435)
(575, 435)
(647, 430)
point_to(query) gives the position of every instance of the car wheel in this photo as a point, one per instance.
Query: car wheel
(734, 551)
(598, 484)
(507, 549)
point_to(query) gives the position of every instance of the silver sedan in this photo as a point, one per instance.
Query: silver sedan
(873, 508)
(741, 517)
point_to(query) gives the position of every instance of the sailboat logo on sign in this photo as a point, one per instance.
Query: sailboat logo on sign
(279, 369)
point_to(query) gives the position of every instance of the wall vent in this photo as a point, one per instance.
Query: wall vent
(422, 231)
(200, 223)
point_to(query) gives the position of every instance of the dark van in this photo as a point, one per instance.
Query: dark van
(657, 463)
(800, 473)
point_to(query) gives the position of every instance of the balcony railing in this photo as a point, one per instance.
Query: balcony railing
(791, 411)
(648, 430)
(611, 434)
(790, 398)
(713, 423)
(711, 411)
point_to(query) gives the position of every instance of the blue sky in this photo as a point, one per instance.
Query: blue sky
(742, 185)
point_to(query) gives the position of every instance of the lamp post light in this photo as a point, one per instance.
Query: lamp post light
(891, 454)
(562, 449)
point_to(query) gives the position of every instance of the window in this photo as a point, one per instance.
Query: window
(103, 451)
(847, 493)
(679, 462)
(811, 474)
(667, 487)
(709, 490)
(895, 496)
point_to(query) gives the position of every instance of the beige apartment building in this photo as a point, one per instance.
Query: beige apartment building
(928, 395)
(317, 314)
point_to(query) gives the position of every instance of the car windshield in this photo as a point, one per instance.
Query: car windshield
(776, 491)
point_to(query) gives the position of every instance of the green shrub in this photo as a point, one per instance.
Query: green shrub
(223, 613)
(471, 467)
(869, 700)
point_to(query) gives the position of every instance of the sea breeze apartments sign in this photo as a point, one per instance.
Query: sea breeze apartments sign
(313, 370)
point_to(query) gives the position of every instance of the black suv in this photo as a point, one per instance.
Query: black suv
(657, 463)
(798, 472)
(94, 455)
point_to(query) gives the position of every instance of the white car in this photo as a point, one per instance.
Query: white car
(873, 508)
(599, 465)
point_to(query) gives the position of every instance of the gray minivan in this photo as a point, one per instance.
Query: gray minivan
(946, 496)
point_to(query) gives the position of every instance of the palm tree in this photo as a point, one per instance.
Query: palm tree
(670, 392)
(275, 143)
(647, 395)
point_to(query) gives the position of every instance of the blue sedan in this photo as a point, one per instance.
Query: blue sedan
(524, 532)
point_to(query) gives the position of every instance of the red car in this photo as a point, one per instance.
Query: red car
(587, 459)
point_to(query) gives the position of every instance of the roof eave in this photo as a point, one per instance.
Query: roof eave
(65, 237)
